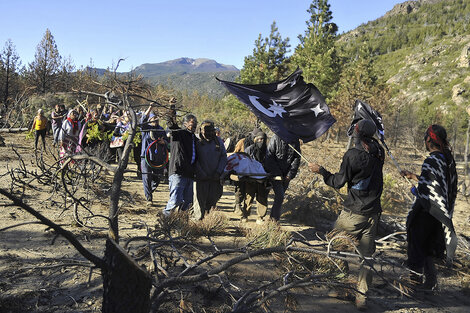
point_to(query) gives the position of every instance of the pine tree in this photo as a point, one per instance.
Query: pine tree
(316, 54)
(66, 79)
(44, 70)
(359, 81)
(9, 66)
(269, 61)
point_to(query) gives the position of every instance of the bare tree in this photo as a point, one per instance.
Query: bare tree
(178, 260)
(9, 66)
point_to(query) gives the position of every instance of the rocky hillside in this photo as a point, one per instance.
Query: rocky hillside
(422, 51)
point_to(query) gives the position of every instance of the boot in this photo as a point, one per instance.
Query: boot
(430, 274)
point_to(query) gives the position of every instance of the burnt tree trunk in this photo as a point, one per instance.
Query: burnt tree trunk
(466, 178)
(126, 285)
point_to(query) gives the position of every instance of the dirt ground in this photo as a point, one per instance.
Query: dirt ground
(42, 273)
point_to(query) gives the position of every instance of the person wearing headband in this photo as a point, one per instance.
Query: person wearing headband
(430, 231)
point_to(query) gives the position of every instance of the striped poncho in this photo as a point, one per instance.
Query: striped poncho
(436, 193)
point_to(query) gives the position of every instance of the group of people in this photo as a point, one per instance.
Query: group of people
(280, 161)
(75, 130)
(197, 164)
(430, 232)
(65, 126)
(202, 159)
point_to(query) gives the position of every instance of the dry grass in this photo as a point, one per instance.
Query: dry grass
(180, 224)
(301, 261)
(269, 234)
(215, 223)
(341, 241)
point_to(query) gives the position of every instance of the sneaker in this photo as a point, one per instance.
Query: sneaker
(243, 219)
(259, 220)
(361, 302)
(149, 203)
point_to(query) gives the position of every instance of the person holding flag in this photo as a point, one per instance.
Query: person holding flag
(361, 170)
(282, 159)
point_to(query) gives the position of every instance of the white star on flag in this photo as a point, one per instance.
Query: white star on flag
(317, 110)
(276, 109)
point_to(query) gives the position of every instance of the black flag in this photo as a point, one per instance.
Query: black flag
(291, 108)
(363, 111)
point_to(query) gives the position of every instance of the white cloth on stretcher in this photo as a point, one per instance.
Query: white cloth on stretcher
(242, 163)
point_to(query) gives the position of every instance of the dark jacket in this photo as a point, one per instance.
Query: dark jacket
(362, 171)
(182, 145)
(282, 160)
(212, 159)
(256, 153)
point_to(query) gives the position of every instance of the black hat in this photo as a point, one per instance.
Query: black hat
(365, 128)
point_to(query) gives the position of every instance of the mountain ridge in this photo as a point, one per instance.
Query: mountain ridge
(183, 65)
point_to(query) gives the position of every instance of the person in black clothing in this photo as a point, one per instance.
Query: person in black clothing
(256, 189)
(361, 169)
(182, 166)
(281, 160)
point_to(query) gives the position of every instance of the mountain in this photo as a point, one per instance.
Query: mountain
(183, 65)
(186, 74)
(422, 50)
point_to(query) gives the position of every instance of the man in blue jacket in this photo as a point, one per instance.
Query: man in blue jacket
(150, 153)
(210, 164)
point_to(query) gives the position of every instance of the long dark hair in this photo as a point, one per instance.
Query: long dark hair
(438, 137)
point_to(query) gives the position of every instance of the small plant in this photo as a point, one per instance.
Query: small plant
(213, 223)
(269, 234)
(30, 134)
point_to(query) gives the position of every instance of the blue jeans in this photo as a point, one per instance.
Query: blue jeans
(181, 193)
(150, 179)
(279, 188)
(56, 132)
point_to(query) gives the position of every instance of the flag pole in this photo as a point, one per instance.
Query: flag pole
(306, 160)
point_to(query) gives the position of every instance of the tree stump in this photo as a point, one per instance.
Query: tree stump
(126, 285)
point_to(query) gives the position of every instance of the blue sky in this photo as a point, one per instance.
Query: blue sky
(155, 31)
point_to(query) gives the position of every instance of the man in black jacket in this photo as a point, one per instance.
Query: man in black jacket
(182, 165)
(281, 160)
(361, 169)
